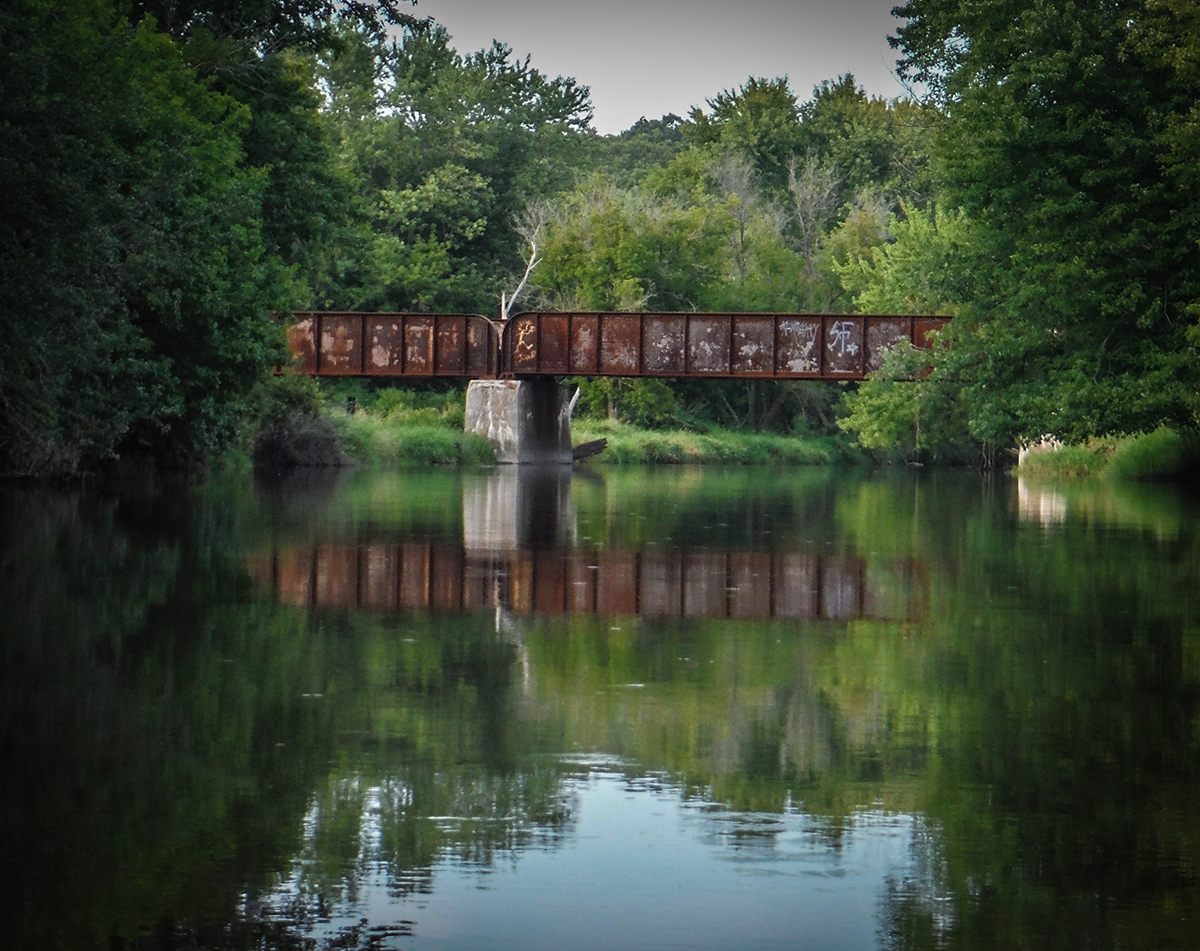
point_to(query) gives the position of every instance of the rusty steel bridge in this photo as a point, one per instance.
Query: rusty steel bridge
(772, 346)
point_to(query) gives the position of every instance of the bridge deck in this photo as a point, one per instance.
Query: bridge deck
(770, 346)
(331, 343)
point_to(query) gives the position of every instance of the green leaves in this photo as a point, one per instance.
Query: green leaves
(1082, 257)
(612, 250)
(147, 226)
(920, 270)
(445, 151)
(761, 120)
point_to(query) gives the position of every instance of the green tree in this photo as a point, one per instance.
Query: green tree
(877, 145)
(608, 249)
(445, 150)
(815, 165)
(1061, 143)
(627, 158)
(919, 269)
(760, 120)
(258, 28)
(135, 279)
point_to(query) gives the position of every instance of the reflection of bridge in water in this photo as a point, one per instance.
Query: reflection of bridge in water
(699, 583)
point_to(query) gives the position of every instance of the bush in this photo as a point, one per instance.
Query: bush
(1162, 454)
(285, 396)
(291, 430)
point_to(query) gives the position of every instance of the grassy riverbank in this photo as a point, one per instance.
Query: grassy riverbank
(374, 442)
(631, 445)
(1162, 454)
(349, 424)
(414, 439)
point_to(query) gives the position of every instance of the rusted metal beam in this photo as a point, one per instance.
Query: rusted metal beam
(765, 346)
(346, 343)
(694, 345)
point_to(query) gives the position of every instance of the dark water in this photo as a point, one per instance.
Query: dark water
(681, 709)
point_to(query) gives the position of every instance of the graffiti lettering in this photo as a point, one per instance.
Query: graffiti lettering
(839, 338)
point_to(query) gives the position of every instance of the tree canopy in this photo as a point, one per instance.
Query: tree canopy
(1061, 142)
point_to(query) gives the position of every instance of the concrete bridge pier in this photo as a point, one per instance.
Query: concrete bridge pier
(527, 420)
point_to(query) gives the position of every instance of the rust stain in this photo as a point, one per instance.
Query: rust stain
(882, 335)
(620, 344)
(450, 355)
(302, 344)
(772, 346)
(346, 343)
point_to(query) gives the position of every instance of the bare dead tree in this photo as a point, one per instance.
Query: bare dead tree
(737, 178)
(733, 174)
(529, 226)
(813, 186)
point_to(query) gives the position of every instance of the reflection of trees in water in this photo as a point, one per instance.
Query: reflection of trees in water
(808, 742)
(391, 833)
(465, 815)
(162, 734)
(918, 911)
(1039, 719)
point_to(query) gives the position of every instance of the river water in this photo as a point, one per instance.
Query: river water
(655, 709)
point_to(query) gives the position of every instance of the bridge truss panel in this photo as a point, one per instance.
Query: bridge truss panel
(769, 346)
(343, 343)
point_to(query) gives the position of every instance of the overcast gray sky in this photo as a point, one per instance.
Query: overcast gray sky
(652, 57)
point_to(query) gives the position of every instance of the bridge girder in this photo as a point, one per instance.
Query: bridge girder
(682, 345)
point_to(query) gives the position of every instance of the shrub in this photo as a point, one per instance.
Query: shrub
(1068, 462)
(1162, 454)
(291, 430)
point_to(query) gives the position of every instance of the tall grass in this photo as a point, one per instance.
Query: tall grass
(1069, 462)
(1162, 454)
(629, 445)
(390, 441)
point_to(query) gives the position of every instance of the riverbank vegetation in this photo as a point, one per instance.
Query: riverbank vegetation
(174, 175)
(1162, 454)
(348, 423)
(629, 444)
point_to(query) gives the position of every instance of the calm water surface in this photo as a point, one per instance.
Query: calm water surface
(689, 709)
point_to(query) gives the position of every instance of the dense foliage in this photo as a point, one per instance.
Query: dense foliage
(1066, 141)
(165, 180)
(173, 173)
